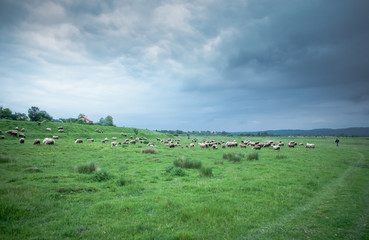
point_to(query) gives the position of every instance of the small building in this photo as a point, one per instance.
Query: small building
(86, 119)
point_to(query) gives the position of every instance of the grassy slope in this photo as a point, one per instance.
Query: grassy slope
(320, 193)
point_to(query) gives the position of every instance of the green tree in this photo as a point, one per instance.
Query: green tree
(108, 121)
(135, 131)
(35, 114)
(6, 113)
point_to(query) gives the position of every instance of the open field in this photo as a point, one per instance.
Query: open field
(294, 193)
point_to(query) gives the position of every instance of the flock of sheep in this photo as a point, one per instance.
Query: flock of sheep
(168, 142)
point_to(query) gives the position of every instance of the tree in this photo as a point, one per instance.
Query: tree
(108, 121)
(35, 114)
(20, 116)
(6, 113)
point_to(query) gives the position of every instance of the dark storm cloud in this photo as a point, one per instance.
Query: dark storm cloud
(191, 65)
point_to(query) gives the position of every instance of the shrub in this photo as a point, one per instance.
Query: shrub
(234, 157)
(87, 168)
(149, 150)
(253, 156)
(101, 176)
(187, 163)
(206, 172)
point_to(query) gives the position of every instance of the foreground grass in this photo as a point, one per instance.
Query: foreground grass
(320, 193)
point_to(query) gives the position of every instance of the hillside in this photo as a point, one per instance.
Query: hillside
(355, 131)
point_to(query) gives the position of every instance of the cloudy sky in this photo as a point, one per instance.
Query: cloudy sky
(242, 65)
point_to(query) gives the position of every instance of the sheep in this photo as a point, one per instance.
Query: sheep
(21, 140)
(61, 130)
(49, 141)
(292, 144)
(215, 147)
(114, 144)
(36, 141)
(232, 144)
(203, 145)
(151, 145)
(56, 137)
(60, 127)
(90, 140)
(2, 137)
(106, 139)
(257, 147)
(192, 145)
(22, 135)
(78, 141)
(114, 138)
(243, 145)
(48, 129)
(132, 142)
(223, 145)
(12, 132)
(310, 145)
(16, 128)
(44, 121)
(23, 130)
(301, 144)
(103, 141)
(276, 147)
(38, 123)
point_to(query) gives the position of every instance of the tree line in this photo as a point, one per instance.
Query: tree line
(37, 115)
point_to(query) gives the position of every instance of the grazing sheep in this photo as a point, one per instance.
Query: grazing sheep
(49, 141)
(151, 145)
(301, 144)
(44, 121)
(56, 137)
(192, 145)
(292, 144)
(2, 137)
(232, 144)
(257, 147)
(48, 129)
(276, 147)
(106, 139)
(38, 123)
(12, 132)
(21, 140)
(203, 145)
(243, 145)
(114, 144)
(78, 141)
(114, 138)
(223, 145)
(61, 130)
(16, 128)
(215, 147)
(60, 127)
(23, 130)
(310, 145)
(103, 141)
(36, 141)
(90, 140)
(22, 135)
(132, 142)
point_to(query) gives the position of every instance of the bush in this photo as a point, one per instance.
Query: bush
(187, 163)
(234, 157)
(101, 176)
(253, 156)
(88, 168)
(206, 172)
(149, 150)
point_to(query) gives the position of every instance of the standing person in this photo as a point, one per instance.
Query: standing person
(337, 141)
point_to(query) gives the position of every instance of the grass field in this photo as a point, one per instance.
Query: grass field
(294, 193)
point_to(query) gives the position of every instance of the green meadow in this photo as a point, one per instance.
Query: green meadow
(94, 191)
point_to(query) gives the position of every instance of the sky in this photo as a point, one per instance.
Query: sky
(218, 65)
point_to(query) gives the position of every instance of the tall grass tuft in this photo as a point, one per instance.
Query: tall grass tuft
(149, 150)
(234, 157)
(280, 156)
(206, 172)
(175, 171)
(253, 156)
(187, 163)
(101, 176)
(123, 181)
(6, 159)
(87, 168)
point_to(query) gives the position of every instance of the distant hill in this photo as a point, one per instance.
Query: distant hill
(355, 131)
